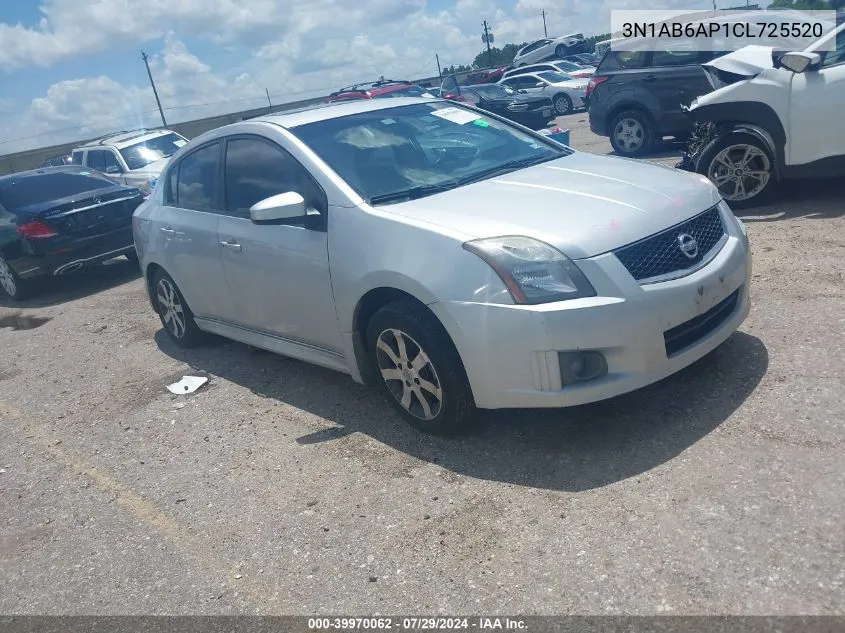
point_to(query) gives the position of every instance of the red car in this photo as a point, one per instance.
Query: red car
(383, 88)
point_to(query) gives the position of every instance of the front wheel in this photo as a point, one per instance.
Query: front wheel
(741, 167)
(563, 104)
(419, 369)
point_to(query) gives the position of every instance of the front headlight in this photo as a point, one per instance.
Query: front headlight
(533, 271)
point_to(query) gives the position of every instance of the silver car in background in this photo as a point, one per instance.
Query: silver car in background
(452, 259)
(566, 93)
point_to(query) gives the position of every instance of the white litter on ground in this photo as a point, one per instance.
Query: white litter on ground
(188, 384)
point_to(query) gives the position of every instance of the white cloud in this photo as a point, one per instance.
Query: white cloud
(297, 48)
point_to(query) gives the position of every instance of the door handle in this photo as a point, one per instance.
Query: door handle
(650, 78)
(168, 231)
(232, 245)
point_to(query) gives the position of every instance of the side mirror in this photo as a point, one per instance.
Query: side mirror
(539, 84)
(113, 169)
(799, 62)
(285, 208)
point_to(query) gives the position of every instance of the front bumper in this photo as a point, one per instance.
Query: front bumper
(511, 352)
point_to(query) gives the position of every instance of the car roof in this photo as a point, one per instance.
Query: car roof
(326, 111)
(73, 169)
(124, 138)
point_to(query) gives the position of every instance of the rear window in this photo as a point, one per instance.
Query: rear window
(34, 190)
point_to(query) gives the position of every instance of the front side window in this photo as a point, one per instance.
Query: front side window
(196, 181)
(417, 150)
(154, 149)
(257, 169)
(677, 55)
(832, 58)
(112, 166)
(34, 190)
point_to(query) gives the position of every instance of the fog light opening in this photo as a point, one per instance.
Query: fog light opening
(576, 367)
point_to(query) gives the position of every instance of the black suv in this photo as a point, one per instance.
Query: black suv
(635, 97)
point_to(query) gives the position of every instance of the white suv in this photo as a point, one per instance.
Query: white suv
(132, 158)
(770, 118)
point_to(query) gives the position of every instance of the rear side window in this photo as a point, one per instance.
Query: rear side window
(97, 159)
(196, 181)
(77, 158)
(632, 59)
(675, 56)
(257, 169)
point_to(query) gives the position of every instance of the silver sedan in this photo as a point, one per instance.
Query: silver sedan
(450, 258)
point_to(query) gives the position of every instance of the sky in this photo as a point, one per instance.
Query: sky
(72, 69)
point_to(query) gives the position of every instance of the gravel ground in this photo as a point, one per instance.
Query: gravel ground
(284, 488)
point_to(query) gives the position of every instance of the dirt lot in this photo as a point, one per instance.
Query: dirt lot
(284, 488)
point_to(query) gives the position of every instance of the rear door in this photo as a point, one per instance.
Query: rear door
(675, 77)
(187, 229)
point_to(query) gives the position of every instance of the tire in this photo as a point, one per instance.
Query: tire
(437, 379)
(631, 133)
(562, 104)
(736, 152)
(170, 305)
(11, 285)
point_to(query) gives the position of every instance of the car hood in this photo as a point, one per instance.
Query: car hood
(740, 65)
(153, 170)
(583, 204)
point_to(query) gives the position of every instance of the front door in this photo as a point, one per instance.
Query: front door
(278, 276)
(815, 127)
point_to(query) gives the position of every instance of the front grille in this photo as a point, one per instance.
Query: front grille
(690, 332)
(661, 254)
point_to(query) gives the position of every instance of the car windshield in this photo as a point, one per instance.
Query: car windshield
(553, 77)
(142, 154)
(38, 189)
(412, 151)
(495, 91)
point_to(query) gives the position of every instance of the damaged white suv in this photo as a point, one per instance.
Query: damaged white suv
(771, 117)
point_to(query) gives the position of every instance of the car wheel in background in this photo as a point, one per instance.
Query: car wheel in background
(563, 104)
(741, 167)
(631, 133)
(419, 370)
(14, 288)
(175, 315)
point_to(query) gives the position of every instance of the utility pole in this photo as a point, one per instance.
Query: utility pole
(487, 38)
(155, 92)
(439, 72)
(545, 32)
(268, 98)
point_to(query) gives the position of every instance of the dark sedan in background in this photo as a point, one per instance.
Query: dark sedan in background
(58, 220)
(529, 110)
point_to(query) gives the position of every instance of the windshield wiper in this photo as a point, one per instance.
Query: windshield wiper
(414, 192)
(504, 168)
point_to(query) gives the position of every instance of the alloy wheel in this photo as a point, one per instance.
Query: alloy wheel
(563, 105)
(409, 374)
(7, 279)
(629, 134)
(170, 308)
(740, 172)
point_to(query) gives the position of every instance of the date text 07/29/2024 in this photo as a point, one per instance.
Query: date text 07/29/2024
(416, 624)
